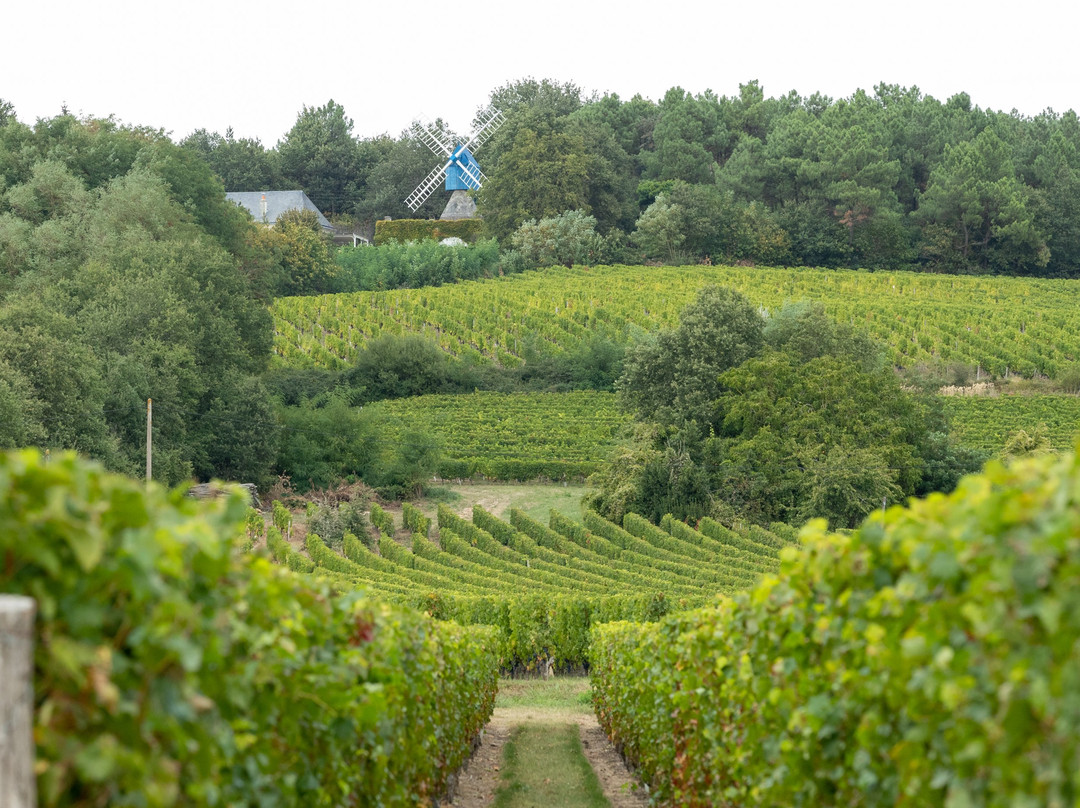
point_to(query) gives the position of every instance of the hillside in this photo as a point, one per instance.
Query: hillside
(540, 585)
(522, 436)
(1002, 326)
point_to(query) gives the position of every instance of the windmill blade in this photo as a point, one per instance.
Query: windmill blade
(486, 129)
(425, 189)
(474, 177)
(432, 138)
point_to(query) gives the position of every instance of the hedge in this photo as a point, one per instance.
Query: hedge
(402, 230)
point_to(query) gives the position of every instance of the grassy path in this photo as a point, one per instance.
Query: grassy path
(544, 749)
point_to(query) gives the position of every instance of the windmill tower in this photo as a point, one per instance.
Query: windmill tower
(459, 167)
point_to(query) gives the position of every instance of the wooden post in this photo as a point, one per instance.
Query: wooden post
(149, 453)
(18, 788)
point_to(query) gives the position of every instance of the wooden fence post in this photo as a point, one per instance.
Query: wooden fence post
(18, 788)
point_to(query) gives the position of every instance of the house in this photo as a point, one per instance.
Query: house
(267, 206)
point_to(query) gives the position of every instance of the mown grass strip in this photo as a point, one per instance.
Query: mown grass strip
(546, 766)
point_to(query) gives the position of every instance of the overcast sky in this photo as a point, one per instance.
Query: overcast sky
(213, 64)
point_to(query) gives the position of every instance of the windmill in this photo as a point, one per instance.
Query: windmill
(459, 167)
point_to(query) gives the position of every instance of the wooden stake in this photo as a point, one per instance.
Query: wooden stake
(18, 785)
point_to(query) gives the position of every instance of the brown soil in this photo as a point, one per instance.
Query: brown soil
(479, 779)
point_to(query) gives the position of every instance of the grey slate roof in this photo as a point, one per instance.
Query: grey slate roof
(277, 202)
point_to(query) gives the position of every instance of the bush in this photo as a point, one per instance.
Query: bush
(412, 264)
(332, 523)
(383, 521)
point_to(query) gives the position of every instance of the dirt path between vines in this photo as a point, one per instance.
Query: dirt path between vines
(480, 778)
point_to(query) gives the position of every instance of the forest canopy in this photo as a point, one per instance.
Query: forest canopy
(885, 178)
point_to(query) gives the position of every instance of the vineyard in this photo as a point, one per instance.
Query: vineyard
(986, 423)
(1005, 326)
(171, 667)
(541, 586)
(524, 436)
(930, 658)
(516, 436)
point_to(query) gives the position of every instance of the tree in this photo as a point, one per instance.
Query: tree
(56, 378)
(541, 175)
(675, 375)
(796, 419)
(396, 168)
(660, 230)
(567, 239)
(797, 435)
(393, 366)
(611, 182)
(689, 137)
(305, 253)
(320, 155)
(978, 211)
(21, 412)
(242, 165)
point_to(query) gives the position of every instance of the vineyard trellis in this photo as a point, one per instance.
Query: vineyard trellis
(1003, 326)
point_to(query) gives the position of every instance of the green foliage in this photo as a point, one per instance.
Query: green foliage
(986, 423)
(399, 366)
(324, 441)
(414, 520)
(1022, 326)
(660, 230)
(242, 165)
(412, 264)
(320, 155)
(383, 521)
(319, 445)
(818, 437)
(172, 671)
(1024, 443)
(876, 665)
(543, 173)
(521, 436)
(333, 522)
(304, 253)
(675, 375)
(567, 239)
(979, 211)
(406, 230)
(281, 517)
(127, 279)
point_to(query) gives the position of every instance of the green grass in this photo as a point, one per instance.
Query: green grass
(535, 499)
(570, 693)
(545, 767)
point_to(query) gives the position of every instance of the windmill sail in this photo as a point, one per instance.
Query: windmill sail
(491, 119)
(460, 169)
(432, 138)
(425, 189)
(471, 173)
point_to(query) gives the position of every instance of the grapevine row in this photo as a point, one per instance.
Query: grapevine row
(930, 658)
(1006, 326)
(541, 587)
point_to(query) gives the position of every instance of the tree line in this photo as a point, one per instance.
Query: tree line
(888, 178)
(125, 274)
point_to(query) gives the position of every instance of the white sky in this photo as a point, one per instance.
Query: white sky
(201, 63)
